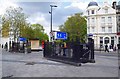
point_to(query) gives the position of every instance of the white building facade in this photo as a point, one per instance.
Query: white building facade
(102, 24)
(118, 21)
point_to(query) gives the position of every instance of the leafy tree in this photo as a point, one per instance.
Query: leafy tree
(5, 29)
(27, 32)
(76, 27)
(38, 32)
(16, 20)
(61, 28)
(33, 31)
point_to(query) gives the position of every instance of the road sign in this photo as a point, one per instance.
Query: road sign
(61, 35)
(51, 34)
(22, 39)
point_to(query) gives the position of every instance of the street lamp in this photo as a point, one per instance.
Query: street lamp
(51, 18)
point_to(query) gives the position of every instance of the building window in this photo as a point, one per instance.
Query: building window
(106, 10)
(101, 42)
(110, 29)
(119, 40)
(109, 19)
(103, 19)
(103, 29)
(112, 40)
(88, 13)
(106, 40)
(119, 18)
(93, 29)
(92, 11)
(93, 20)
(119, 28)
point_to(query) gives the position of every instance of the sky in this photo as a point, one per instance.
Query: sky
(38, 10)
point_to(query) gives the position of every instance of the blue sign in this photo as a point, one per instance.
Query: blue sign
(22, 39)
(61, 35)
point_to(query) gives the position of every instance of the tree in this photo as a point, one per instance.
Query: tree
(16, 19)
(38, 32)
(5, 29)
(76, 27)
(61, 28)
(27, 32)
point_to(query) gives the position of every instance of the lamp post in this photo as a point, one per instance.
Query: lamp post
(51, 19)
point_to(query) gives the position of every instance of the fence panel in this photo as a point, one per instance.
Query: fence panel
(74, 51)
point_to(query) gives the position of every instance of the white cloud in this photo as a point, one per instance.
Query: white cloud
(81, 5)
(39, 18)
(5, 4)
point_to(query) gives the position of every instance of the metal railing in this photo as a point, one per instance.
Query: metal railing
(74, 51)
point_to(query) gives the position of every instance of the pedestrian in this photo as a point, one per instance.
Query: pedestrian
(64, 48)
(106, 48)
(114, 48)
(111, 47)
(118, 46)
(59, 49)
(2, 45)
(6, 46)
(46, 48)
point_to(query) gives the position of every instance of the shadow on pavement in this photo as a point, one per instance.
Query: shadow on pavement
(27, 62)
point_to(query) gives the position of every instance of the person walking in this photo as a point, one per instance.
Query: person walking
(114, 49)
(2, 46)
(118, 46)
(64, 48)
(111, 47)
(6, 46)
(106, 48)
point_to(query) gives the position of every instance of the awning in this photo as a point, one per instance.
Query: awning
(90, 34)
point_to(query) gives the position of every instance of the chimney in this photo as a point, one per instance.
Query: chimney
(114, 5)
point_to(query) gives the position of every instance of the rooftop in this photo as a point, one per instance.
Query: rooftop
(92, 4)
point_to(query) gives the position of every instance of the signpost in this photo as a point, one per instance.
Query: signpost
(60, 35)
(22, 39)
(22, 46)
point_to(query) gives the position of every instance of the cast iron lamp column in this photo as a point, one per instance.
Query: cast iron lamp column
(51, 20)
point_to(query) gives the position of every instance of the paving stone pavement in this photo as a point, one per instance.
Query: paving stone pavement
(16, 64)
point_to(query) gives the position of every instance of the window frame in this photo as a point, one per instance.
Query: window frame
(103, 30)
(106, 10)
(92, 12)
(110, 29)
